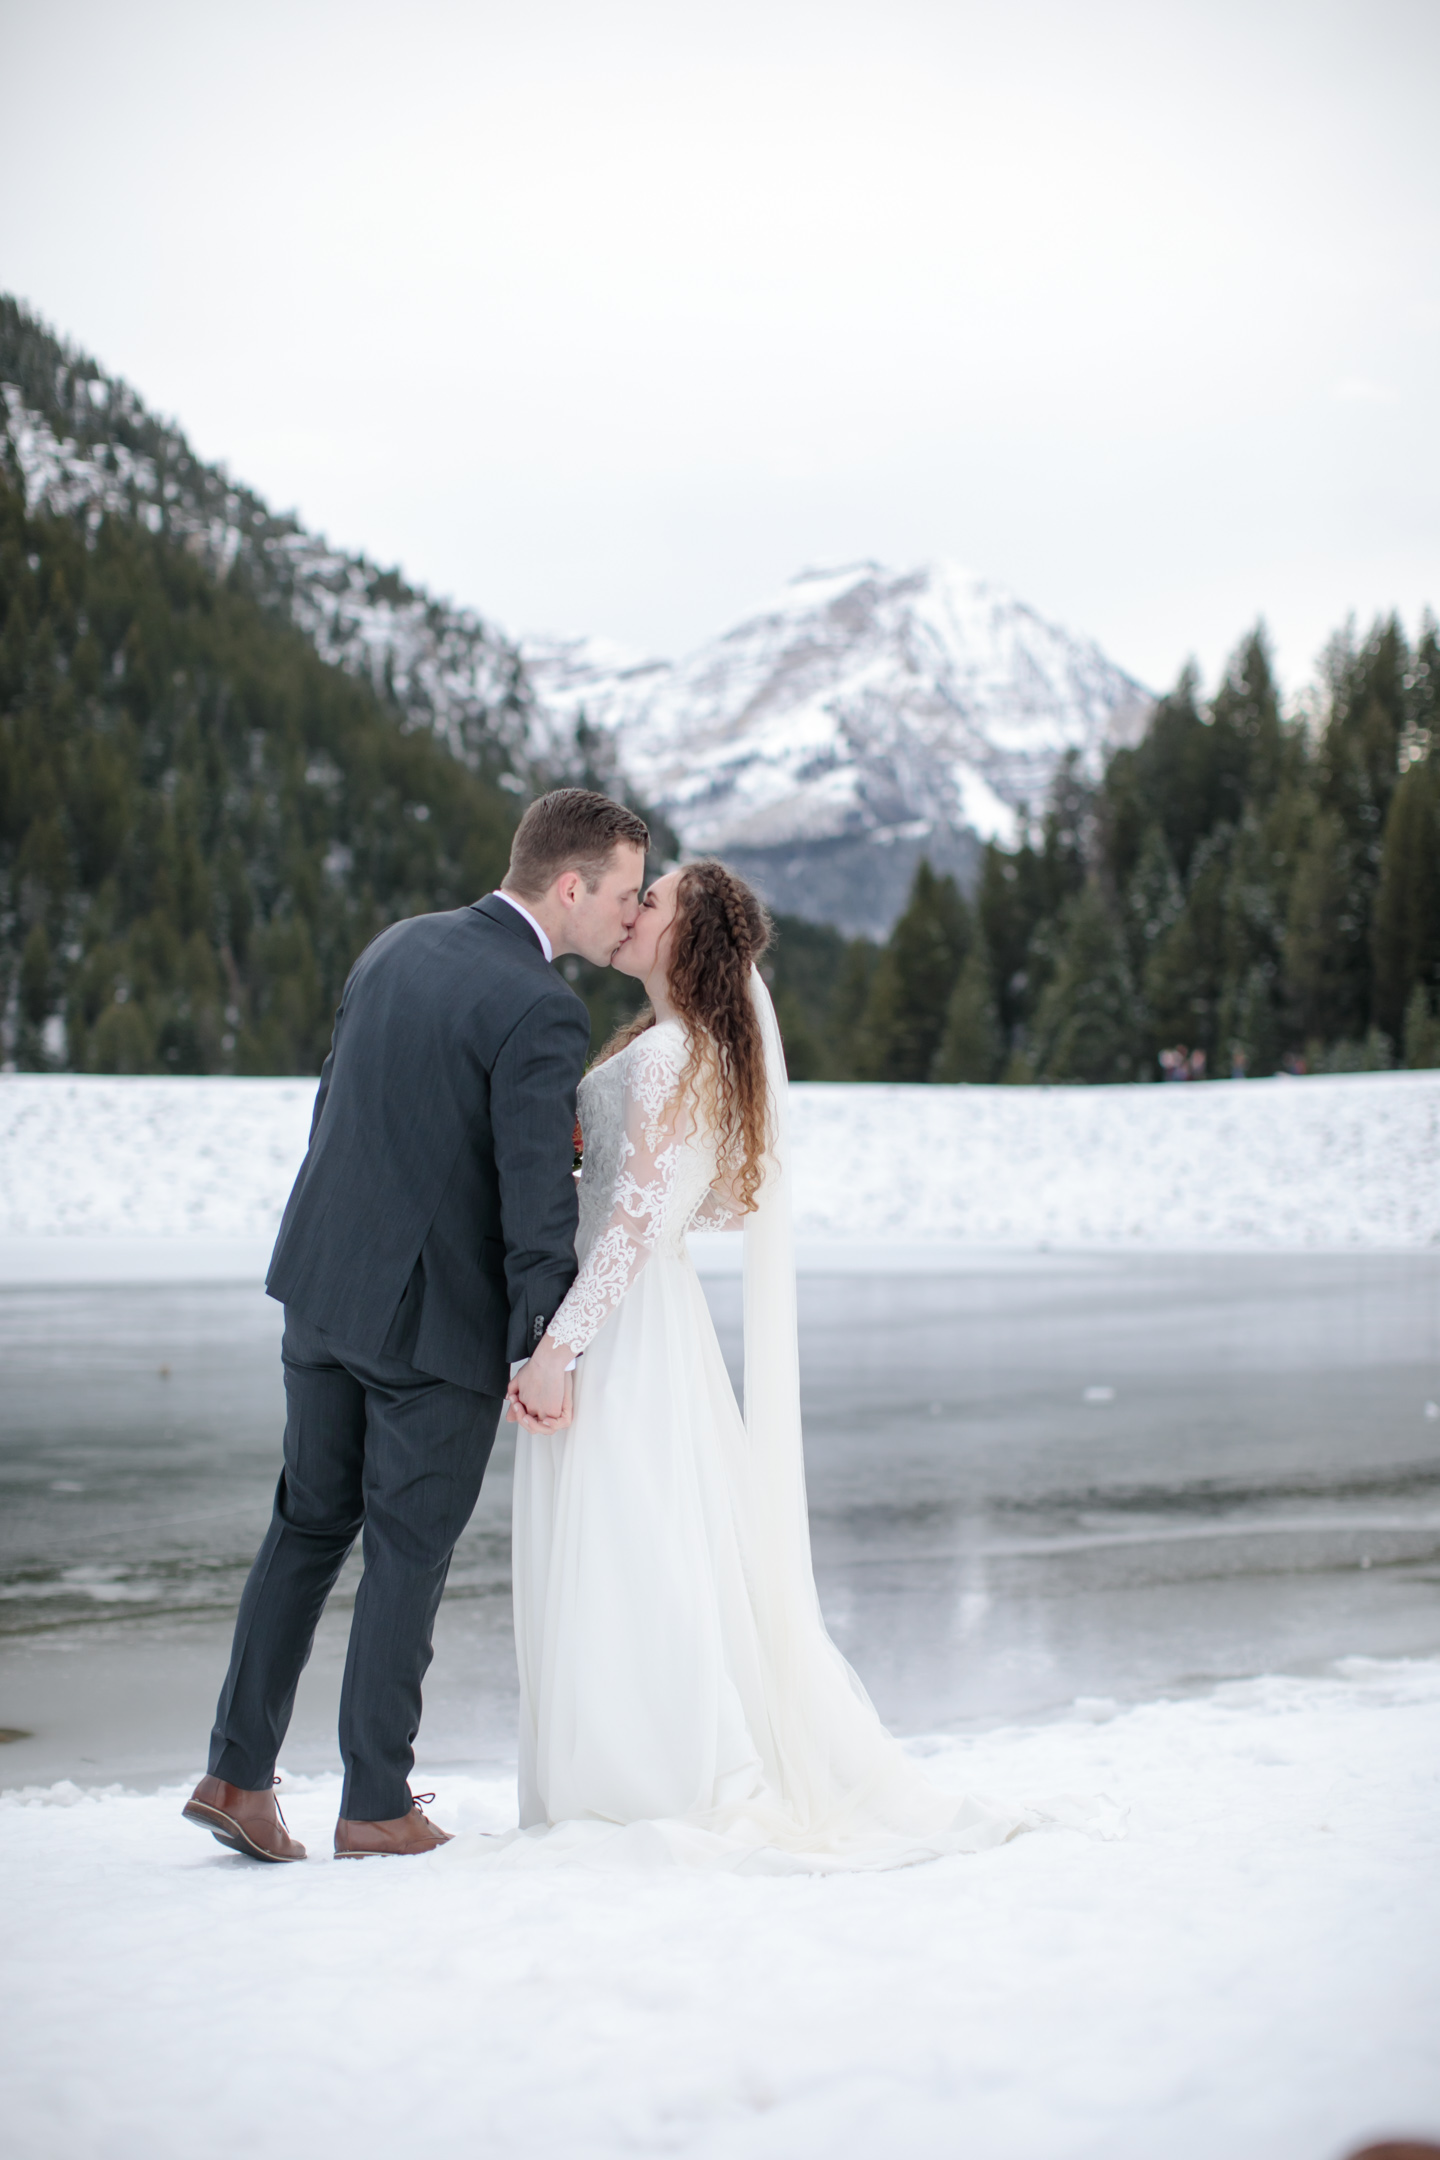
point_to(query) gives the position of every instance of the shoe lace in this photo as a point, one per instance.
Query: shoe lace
(421, 1799)
(278, 1809)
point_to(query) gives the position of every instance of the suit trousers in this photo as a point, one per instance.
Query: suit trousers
(375, 1449)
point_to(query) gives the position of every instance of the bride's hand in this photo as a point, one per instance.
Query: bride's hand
(517, 1414)
(541, 1397)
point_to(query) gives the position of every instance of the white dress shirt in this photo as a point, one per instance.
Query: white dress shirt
(520, 908)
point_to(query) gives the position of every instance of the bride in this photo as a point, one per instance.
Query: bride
(678, 1690)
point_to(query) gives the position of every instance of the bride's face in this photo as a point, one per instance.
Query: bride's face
(648, 944)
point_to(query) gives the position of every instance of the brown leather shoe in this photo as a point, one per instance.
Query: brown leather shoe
(402, 1834)
(248, 1822)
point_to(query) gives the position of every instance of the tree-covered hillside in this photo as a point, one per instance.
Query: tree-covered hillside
(83, 445)
(1254, 893)
(201, 822)
(229, 754)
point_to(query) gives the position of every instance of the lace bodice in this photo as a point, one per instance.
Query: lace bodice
(649, 1176)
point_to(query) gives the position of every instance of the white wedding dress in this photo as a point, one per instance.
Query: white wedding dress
(680, 1699)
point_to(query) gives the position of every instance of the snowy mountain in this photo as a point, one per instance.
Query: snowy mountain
(864, 718)
(84, 446)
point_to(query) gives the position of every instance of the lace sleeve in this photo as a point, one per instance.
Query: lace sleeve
(645, 1198)
(717, 1209)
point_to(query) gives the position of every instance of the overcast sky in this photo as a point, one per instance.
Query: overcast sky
(612, 316)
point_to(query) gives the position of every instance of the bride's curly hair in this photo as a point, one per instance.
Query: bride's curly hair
(720, 929)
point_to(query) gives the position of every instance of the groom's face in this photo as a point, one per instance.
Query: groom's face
(600, 920)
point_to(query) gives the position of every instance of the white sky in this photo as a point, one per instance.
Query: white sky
(612, 316)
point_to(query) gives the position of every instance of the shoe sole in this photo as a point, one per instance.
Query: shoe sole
(227, 1831)
(417, 1853)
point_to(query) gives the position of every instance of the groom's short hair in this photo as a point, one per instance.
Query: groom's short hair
(571, 828)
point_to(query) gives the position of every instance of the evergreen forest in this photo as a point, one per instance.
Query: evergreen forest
(1240, 894)
(202, 823)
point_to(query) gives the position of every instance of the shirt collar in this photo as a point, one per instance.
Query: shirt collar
(520, 908)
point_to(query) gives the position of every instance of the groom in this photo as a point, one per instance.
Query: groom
(428, 1240)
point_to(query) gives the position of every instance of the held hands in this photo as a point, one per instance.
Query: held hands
(541, 1397)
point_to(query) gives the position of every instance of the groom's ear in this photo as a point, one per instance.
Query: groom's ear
(567, 887)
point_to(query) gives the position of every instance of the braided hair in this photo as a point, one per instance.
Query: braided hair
(720, 929)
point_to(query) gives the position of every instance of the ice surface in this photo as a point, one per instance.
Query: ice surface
(1250, 1971)
(127, 1179)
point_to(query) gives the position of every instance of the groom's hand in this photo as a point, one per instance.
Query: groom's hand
(530, 1421)
(541, 1396)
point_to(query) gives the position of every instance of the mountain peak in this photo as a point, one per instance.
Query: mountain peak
(860, 718)
(863, 717)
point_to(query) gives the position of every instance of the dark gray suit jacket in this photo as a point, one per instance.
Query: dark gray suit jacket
(434, 1214)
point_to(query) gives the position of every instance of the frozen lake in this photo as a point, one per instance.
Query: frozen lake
(1032, 1480)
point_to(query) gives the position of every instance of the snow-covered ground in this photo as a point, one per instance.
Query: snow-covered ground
(1348, 1163)
(109, 1180)
(1251, 1971)
(114, 1179)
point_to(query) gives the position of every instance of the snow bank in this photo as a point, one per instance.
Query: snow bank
(148, 1157)
(1348, 1162)
(1339, 1162)
(122, 1175)
(1251, 1971)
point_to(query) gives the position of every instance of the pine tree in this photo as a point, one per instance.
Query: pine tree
(1406, 933)
(1125, 819)
(1371, 716)
(915, 974)
(852, 999)
(1010, 907)
(1067, 834)
(1422, 732)
(35, 993)
(1088, 1024)
(1171, 770)
(1250, 1030)
(820, 981)
(1372, 1052)
(1154, 898)
(123, 1042)
(1184, 980)
(1247, 750)
(1320, 919)
(1422, 1032)
(1084, 1022)
(970, 1048)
